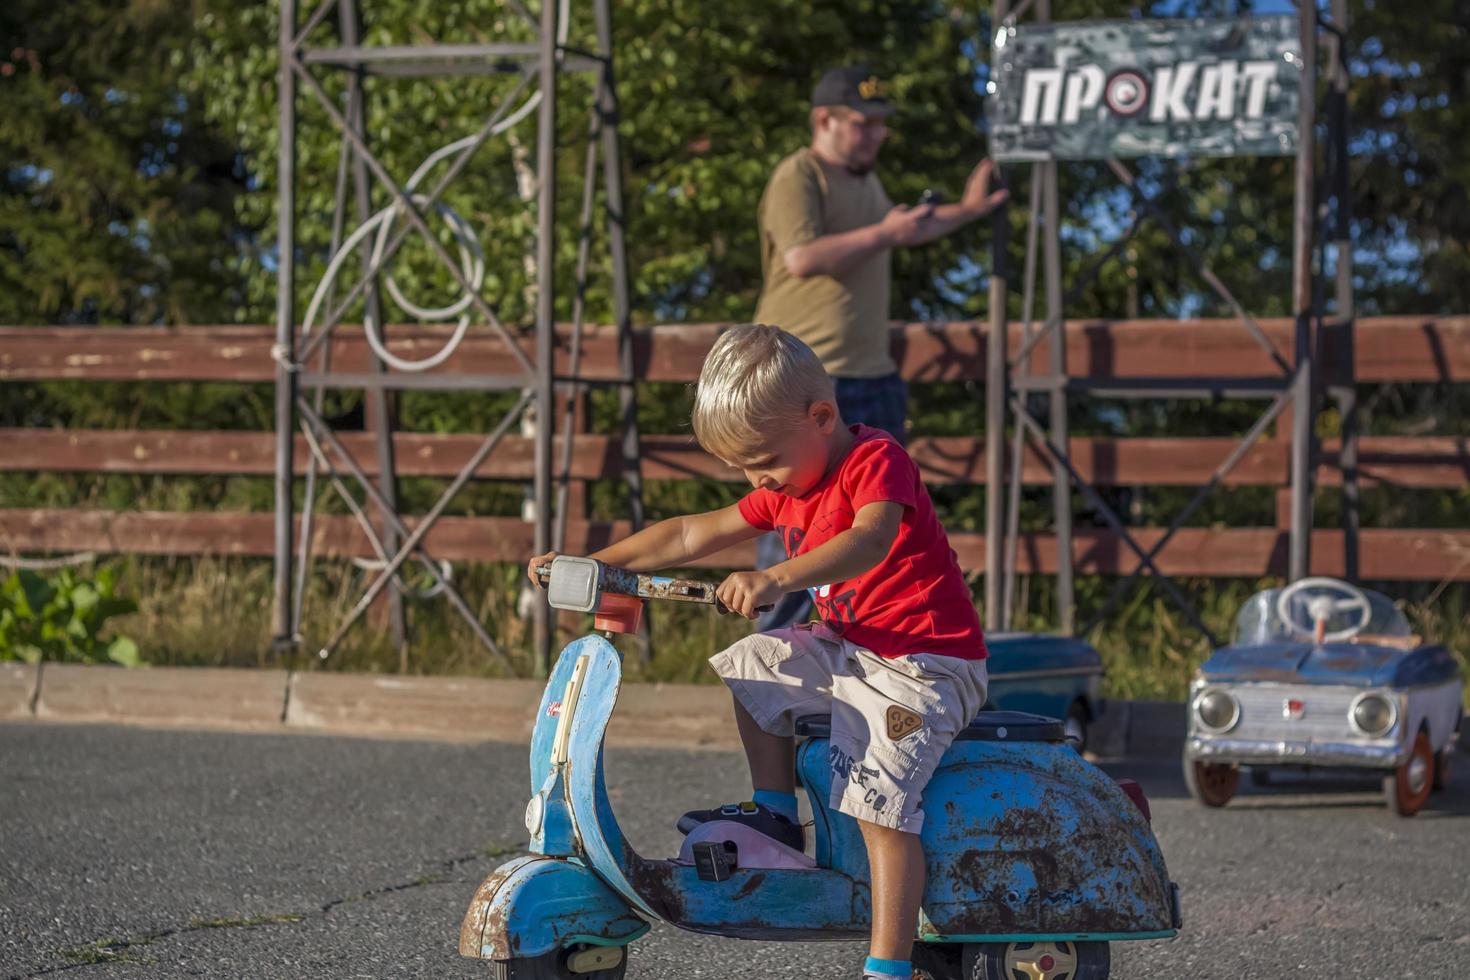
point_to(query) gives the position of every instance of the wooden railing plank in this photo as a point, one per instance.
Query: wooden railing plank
(1416, 462)
(1409, 349)
(1400, 554)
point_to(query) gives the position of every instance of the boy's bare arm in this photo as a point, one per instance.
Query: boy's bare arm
(671, 543)
(846, 556)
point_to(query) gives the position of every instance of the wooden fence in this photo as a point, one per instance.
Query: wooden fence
(1385, 349)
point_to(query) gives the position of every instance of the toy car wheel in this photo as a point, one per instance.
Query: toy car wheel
(1409, 785)
(1211, 783)
(576, 963)
(1037, 961)
(1075, 725)
(1442, 768)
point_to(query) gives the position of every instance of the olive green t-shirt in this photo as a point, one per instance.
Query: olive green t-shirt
(844, 319)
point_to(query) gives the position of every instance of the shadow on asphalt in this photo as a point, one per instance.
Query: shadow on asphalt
(1162, 779)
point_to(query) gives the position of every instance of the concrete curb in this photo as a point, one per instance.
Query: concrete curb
(215, 697)
(1138, 728)
(459, 709)
(18, 689)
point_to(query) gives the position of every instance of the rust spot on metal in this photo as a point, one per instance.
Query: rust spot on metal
(478, 917)
(755, 882)
(620, 581)
(1077, 882)
(653, 881)
(1286, 674)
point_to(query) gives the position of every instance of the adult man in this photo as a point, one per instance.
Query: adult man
(827, 230)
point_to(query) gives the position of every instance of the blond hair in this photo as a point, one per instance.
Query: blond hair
(755, 380)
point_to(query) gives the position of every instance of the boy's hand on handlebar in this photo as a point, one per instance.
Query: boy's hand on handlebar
(536, 563)
(746, 592)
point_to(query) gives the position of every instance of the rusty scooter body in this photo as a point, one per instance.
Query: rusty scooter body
(1036, 859)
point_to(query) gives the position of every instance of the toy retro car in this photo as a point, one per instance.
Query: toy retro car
(1057, 676)
(1324, 674)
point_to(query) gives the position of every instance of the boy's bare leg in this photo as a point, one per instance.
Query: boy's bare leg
(772, 758)
(896, 860)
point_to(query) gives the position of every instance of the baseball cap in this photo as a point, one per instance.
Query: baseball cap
(855, 86)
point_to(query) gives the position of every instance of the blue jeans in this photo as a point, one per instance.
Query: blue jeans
(880, 402)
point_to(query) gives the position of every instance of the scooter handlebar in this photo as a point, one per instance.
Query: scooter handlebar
(578, 584)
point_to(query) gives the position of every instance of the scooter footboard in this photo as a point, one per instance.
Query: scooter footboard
(536, 904)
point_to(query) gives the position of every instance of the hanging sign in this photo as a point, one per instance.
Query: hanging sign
(1097, 89)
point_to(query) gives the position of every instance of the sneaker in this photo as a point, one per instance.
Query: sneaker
(756, 816)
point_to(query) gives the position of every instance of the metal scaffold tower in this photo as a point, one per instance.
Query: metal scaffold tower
(302, 352)
(1290, 393)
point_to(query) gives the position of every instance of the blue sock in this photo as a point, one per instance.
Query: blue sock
(875, 967)
(782, 803)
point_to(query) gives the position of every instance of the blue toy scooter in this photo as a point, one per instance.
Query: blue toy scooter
(1036, 859)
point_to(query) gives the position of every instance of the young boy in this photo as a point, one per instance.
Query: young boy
(898, 655)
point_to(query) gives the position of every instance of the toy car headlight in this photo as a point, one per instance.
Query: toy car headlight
(1373, 714)
(1216, 710)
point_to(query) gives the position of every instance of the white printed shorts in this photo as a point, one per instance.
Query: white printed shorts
(892, 719)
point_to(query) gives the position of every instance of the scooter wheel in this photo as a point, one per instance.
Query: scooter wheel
(566, 964)
(1037, 961)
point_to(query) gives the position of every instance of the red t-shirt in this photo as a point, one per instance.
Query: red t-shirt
(915, 600)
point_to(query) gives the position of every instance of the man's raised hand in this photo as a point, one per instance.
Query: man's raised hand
(978, 198)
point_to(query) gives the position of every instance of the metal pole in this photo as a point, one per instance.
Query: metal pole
(1346, 393)
(379, 415)
(284, 621)
(612, 168)
(995, 400)
(1299, 560)
(545, 319)
(617, 228)
(1018, 438)
(1061, 485)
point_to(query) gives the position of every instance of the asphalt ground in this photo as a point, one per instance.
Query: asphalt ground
(151, 854)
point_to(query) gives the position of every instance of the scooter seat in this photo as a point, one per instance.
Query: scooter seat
(988, 726)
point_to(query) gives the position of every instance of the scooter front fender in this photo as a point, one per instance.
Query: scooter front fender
(533, 905)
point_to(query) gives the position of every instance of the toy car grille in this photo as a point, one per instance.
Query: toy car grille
(1323, 711)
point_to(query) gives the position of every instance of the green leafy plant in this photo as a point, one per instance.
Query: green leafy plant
(63, 618)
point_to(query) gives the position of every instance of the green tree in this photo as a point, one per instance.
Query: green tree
(713, 95)
(115, 197)
(1410, 105)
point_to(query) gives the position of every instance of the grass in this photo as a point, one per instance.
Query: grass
(111, 950)
(125, 949)
(246, 923)
(217, 612)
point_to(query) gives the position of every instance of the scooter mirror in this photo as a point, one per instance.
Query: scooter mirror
(574, 583)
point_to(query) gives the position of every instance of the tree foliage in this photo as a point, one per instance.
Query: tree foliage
(139, 143)
(116, 201)
(712, 96)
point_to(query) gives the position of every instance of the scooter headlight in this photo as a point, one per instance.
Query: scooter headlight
(1216, 710)
(1373, 714)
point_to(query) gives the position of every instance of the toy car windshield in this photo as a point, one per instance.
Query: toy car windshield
(1260, 621)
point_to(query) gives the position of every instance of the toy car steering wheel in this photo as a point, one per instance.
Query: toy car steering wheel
(1339, 597)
